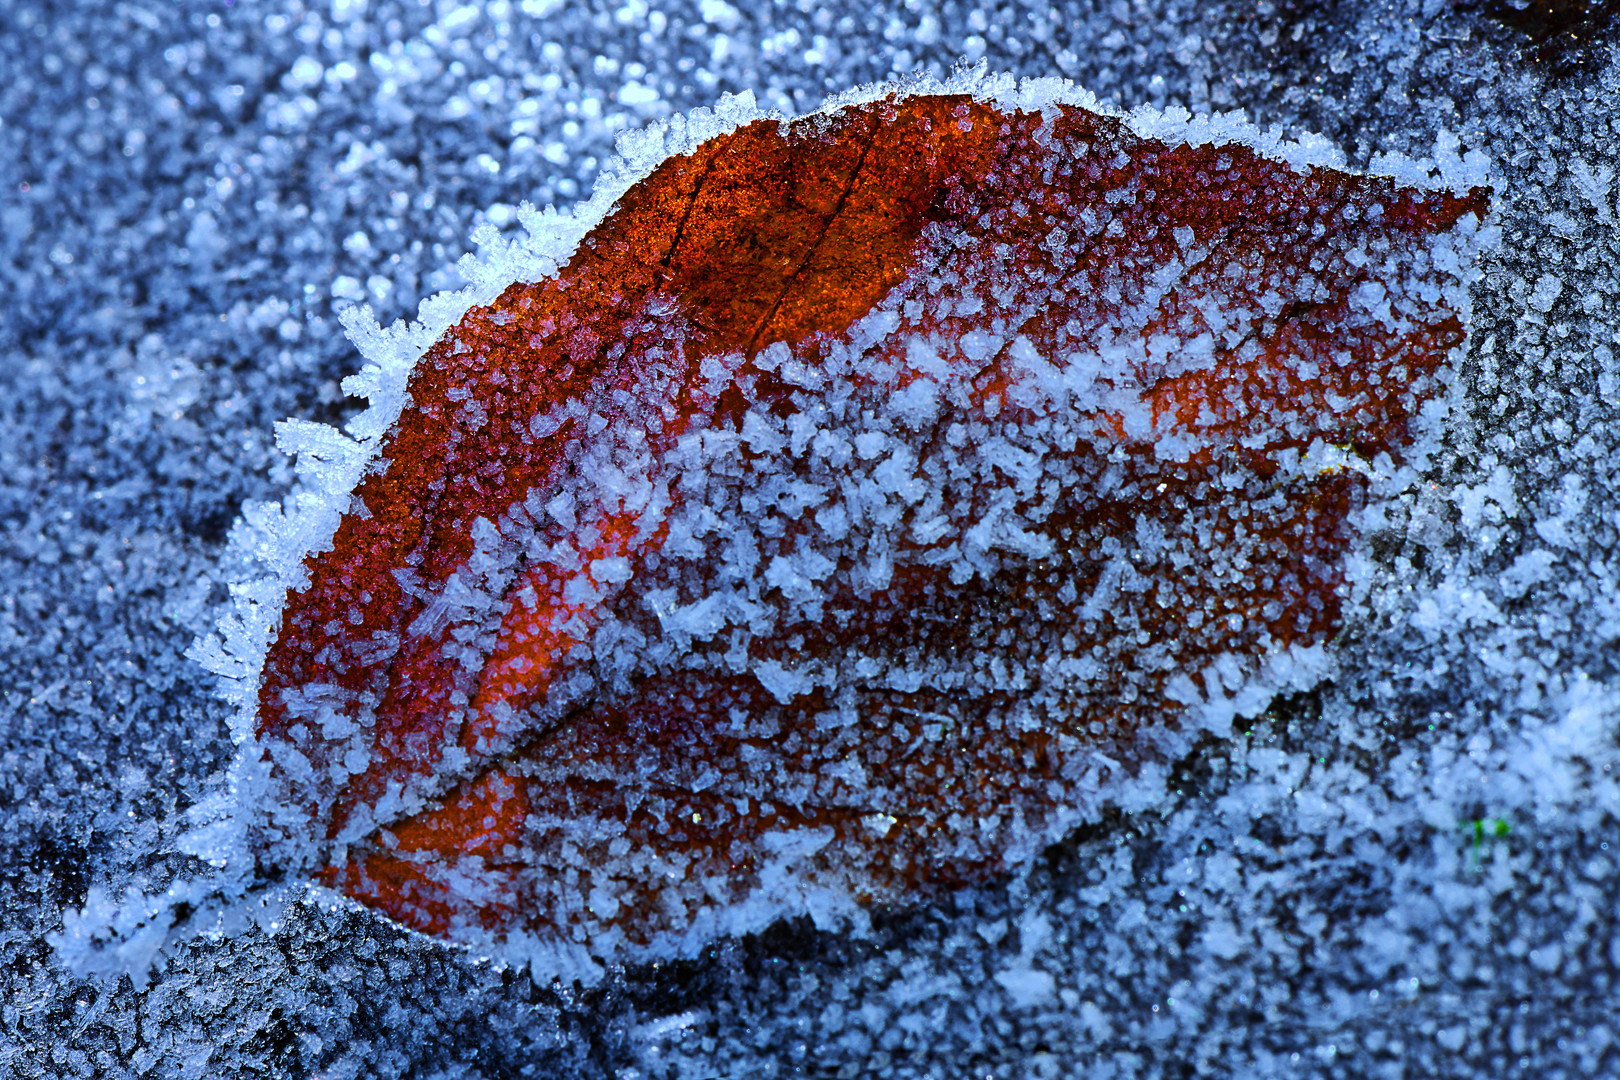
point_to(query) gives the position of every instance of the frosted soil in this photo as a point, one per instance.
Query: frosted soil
(1406, 871)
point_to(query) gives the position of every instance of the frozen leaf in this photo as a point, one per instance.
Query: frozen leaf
(862, 498)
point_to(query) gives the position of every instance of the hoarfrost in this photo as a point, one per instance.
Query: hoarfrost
(1408, 869)
(1004, 526)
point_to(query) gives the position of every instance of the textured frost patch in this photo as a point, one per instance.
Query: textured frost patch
(889, 497)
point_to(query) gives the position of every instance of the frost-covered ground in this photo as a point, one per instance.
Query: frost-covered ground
(1412, 871)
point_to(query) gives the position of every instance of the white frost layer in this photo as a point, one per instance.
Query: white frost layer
(275, 540)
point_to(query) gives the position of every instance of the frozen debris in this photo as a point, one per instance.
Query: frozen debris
(912, 459)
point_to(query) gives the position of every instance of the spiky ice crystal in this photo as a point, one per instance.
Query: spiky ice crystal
(830, 511)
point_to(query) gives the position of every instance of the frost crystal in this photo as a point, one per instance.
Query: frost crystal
(834, 511)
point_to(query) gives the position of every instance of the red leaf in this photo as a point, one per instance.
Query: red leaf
(646, 626)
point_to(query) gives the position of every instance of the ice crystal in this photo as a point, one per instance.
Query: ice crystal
(849, 513)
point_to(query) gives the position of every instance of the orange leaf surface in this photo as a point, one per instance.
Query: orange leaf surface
(863, 497)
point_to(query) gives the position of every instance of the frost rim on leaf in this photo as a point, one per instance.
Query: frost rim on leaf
(267, 548)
